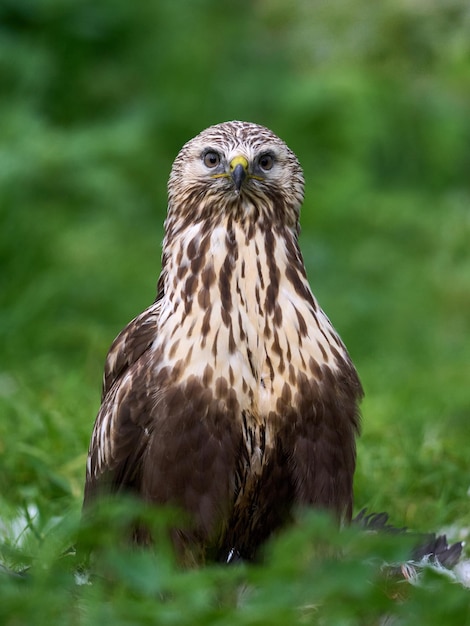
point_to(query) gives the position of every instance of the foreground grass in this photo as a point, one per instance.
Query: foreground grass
(311, 574)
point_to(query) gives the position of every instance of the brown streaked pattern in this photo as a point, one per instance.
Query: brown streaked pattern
(231, 396)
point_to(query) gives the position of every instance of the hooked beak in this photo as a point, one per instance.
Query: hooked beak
(238, 171)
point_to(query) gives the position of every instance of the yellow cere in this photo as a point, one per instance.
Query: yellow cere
(238, 160)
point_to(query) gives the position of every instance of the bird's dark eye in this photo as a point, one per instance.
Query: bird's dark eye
(266, 161)
(211, 159)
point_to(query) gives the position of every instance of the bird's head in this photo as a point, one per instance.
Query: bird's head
(239, 168)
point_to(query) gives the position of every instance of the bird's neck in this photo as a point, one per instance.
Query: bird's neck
(218, 269)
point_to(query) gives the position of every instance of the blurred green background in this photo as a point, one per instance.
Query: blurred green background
(96, 98)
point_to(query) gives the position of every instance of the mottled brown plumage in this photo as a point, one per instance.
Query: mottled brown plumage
(232, 396)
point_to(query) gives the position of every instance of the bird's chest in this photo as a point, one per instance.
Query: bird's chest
(242, 318)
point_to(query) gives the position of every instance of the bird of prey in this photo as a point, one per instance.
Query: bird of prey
(231, 397)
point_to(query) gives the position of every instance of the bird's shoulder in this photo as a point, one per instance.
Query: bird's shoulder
(130, 345)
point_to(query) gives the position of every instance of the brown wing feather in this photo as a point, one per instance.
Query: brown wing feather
(120, 434)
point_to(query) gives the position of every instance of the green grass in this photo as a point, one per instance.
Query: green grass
(96, 101)
(311, 574)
